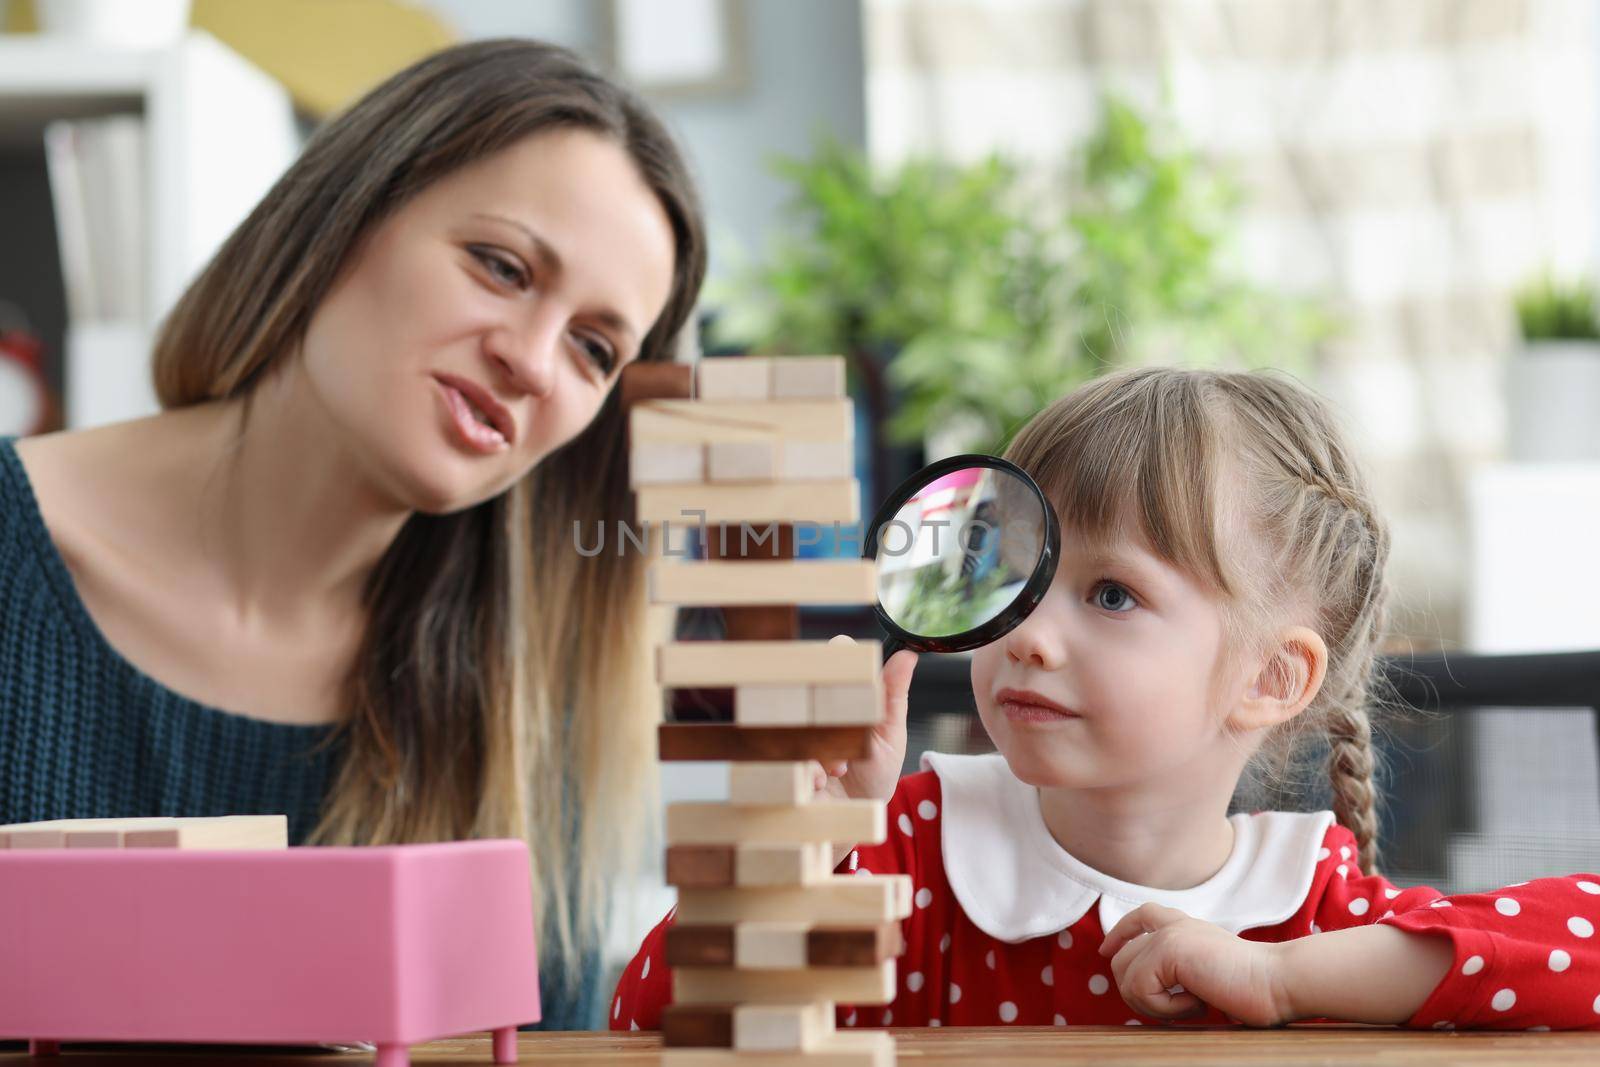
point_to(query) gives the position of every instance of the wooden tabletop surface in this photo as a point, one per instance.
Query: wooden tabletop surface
(1300, 1045)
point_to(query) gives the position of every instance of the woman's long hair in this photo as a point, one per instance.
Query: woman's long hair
(503, 686)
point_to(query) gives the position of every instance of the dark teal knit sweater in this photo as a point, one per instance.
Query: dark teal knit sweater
(85, 734)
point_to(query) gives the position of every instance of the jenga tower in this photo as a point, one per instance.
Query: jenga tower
(767, 938)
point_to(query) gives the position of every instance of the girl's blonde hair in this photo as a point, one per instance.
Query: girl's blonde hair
(503, 686)
(1244, 481)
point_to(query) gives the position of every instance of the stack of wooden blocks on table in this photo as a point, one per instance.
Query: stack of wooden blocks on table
(222, 831)
(766, 937)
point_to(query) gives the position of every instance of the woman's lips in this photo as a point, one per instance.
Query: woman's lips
(476, 435)
(1028, 706)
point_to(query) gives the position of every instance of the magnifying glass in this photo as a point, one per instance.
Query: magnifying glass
(966, 548)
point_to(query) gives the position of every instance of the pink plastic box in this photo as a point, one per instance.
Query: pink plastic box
(392, 945)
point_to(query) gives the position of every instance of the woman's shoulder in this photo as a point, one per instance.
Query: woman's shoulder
(22, 528)
(82, 484)
(45, 510)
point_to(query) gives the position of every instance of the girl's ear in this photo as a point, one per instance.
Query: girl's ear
(1289, 679)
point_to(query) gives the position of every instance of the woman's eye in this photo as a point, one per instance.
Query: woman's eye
(599, 352)
(1110, 596)
(503, 269)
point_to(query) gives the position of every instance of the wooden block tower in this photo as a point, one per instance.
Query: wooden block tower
(767, 938)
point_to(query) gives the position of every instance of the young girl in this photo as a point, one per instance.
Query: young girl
(1219, 603)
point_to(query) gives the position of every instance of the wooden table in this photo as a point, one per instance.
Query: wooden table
(1300, 1045)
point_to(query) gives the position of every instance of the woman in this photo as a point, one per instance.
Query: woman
(335, 577)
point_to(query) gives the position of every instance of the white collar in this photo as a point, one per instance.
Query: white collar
(1015, 882)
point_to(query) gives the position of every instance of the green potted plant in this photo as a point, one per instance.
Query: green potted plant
(870, 262)
(1553, 383)
(985, 300)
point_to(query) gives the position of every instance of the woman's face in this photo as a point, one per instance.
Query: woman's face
(479, 328)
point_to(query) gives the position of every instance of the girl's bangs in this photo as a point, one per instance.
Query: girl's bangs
(1132, 456)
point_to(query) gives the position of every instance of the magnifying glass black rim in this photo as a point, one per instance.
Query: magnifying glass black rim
(1024, 602)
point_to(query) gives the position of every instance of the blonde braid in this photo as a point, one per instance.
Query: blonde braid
(1347, 724)
(1350, 773)
(1333, 545)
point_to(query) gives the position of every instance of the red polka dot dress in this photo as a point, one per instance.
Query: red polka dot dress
(1006, 925)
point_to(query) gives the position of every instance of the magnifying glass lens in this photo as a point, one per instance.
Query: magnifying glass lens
(964, 549)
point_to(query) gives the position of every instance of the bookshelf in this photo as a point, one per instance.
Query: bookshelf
(218, 132)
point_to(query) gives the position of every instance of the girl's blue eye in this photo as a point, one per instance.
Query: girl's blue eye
(1120, 600)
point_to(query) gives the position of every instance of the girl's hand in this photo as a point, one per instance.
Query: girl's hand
(1155, 949)
(875, 777)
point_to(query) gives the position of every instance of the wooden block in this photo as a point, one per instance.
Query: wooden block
(851, 985)
(229, 832)
(739, 378)
(712, 704)
(716, 823)
(770, 946)
(763, 622)
(690, 945)
(742, 461)
(843, 1048)
(697, 1026)
(843, 898)
(811, 461)
(782, 1027)
(711, 663)
(846, 705)
(769, 783)
(766, 866)
(751, 866)
(807, 377)
(667, 463)
(772, 705)
(776, 1027)
(756, 744)
(832, 946)
(815, 502)
(826, 946)
(655, 381)
(763, 582)
(745, 541)
(223, 831)
(710, 422)
(90, 824)
(700, 866)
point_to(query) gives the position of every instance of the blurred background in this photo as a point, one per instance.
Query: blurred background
(982, 203)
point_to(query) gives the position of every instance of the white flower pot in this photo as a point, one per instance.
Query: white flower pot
(125, 23)
(1553, 402)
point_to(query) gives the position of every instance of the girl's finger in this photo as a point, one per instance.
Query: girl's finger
(819, 776)
(1173, 1006)
(1122, 962)
(1149, 980)
(838, 768)
(897, 685)
(1145, 919)
(1139, 968)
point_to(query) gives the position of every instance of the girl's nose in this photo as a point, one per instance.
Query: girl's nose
(1037, 641)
